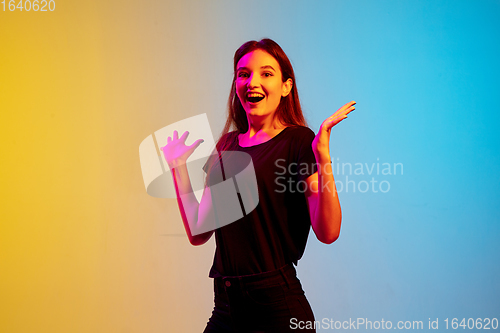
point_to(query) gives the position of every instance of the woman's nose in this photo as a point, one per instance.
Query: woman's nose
(254, 80)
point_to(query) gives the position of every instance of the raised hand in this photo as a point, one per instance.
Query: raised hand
(176, 152)
(321, 143)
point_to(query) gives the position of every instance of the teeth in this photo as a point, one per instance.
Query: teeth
(255, 95)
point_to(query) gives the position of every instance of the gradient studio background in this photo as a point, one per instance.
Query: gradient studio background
(85, 249)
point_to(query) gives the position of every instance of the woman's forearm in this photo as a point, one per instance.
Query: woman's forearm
(327, 216)
(188, 205)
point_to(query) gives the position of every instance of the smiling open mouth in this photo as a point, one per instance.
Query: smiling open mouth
(255, 98)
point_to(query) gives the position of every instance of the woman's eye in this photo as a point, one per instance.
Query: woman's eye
(268, 74)
(242, 75)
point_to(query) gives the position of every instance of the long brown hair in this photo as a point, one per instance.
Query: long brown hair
(289, 111)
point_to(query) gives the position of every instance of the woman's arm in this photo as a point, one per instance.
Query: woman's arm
(321, 193)
(324, 205)
(193, 213)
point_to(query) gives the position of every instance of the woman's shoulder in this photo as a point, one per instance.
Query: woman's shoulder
(299, 131)
(227, 141)
(299, 137)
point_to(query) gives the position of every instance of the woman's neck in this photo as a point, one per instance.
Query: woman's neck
(260, 132)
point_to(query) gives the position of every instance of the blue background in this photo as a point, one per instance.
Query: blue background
(425, 76)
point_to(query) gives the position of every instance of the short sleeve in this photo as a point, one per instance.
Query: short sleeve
(306, 161)
(230, 137)
(209, 161)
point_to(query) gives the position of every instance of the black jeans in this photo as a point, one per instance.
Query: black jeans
(267, 302)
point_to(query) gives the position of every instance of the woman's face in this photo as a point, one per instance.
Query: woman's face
(259, 84)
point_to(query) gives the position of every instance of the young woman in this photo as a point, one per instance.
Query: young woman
(255, 282)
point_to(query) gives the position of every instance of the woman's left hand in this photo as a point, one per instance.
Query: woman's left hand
(321, 143)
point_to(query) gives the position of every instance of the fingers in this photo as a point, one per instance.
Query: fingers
(339, 115)
(347, 111)
(347, 108)
(337, 120)
(184, 136)
(196, 144)
(342, 114)
(332, 121)
(175, 136)
(328, 125)
(348, 105)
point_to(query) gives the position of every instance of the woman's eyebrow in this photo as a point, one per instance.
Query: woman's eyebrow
(263, 67)
(268, 67)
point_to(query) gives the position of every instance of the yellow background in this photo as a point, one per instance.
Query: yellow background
(83, 248)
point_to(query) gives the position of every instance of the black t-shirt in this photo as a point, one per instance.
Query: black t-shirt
(275, 232)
